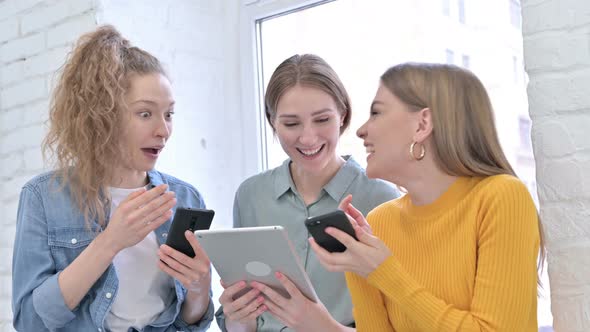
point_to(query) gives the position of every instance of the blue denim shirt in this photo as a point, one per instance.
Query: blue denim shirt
(50, 234)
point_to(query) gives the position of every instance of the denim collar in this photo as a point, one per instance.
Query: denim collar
(155, 178)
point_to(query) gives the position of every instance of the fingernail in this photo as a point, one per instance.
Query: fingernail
(279, 275)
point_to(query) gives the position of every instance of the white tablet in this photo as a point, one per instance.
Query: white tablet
(254, 254)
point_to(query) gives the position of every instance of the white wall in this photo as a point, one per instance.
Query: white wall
(557, 59)
(198, 43)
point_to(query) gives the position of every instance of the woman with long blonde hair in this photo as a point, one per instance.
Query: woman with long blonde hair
(89, 253)
(459, 252)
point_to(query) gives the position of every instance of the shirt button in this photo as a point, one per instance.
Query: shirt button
(74, 241)
(164, 235)
(109, 295)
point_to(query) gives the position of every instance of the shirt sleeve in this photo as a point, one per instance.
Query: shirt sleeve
(201, 325)
(37, 301)
(369, 309)
(506, 280)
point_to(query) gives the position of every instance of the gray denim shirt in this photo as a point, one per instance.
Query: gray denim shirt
(50, 234)
(270, 198)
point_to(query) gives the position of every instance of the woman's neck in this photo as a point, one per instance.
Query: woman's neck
(426, 183)
(309, 185)
(129, 179)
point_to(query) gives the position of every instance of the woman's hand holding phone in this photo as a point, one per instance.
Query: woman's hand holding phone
(138, 215)
(354, 215)
(361, 256)
(194, 273)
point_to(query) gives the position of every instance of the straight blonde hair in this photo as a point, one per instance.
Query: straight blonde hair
(464, 136)
(307, 70)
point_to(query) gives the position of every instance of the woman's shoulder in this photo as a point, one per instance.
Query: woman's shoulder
(391, 206)
(386, 212)
(372, 191)
(181, 188)
(504, 185)
(41, 182)
(503, 193)
(261, 181)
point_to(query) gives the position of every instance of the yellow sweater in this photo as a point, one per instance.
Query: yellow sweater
(466, 262)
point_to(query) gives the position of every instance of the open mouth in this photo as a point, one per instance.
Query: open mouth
(151, 152)
(311, 152)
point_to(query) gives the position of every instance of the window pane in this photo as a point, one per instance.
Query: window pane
(450, 57)
(446, 4)
(465, 61)
(360, 39)
(515, 13)
(461, 5)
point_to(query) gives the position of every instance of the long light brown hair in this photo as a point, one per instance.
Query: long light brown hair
(464, 137)
(86, 112)
(307, 70)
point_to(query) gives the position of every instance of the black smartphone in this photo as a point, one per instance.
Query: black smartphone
(187, 219)
(337, 219)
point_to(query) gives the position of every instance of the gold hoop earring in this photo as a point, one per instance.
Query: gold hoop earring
(422, 151)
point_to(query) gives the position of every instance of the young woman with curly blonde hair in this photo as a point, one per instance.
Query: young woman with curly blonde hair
(88, 253)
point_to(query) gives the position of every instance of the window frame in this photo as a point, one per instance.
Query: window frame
(254, 134)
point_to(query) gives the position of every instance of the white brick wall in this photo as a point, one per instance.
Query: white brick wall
(557, 58)
(196, 40)
(34, 39)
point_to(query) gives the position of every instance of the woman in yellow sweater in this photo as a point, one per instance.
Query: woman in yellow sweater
(459, 251)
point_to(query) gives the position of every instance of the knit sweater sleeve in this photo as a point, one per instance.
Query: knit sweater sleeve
(505, 283)
(369, 310)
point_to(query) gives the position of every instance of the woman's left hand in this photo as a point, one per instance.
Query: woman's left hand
(298, 312)
(194, 273)
(361, 257)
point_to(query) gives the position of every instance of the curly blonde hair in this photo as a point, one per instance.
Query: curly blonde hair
(86, 112)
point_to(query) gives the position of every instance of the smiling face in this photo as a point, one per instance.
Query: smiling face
(147, 122)
(307, 124)
(387, 136)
